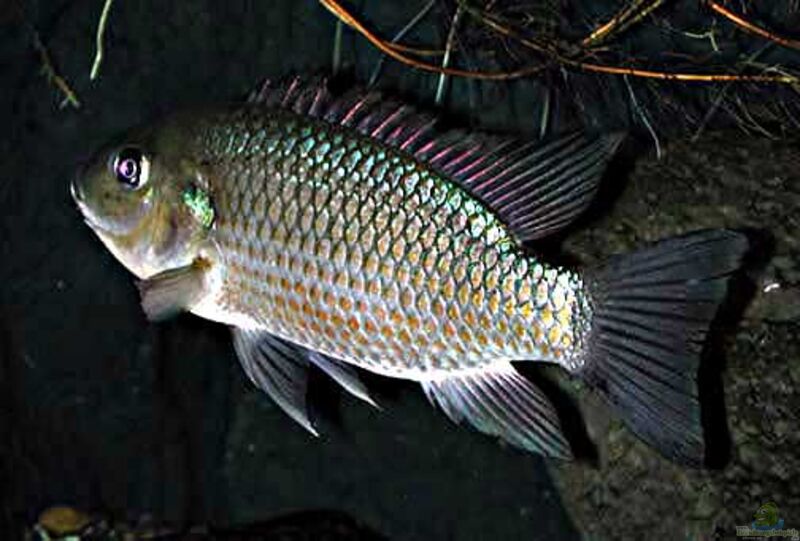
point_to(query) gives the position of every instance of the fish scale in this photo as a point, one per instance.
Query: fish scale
(366, 255)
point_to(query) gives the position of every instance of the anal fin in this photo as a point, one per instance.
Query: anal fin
(500, 402)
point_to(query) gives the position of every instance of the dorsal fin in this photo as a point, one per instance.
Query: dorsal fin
(536, 188)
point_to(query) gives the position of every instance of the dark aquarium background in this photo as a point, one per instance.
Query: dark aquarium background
(154, 427)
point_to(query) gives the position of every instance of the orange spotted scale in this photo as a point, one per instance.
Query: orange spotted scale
(348, 231)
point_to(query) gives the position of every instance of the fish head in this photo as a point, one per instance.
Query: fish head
(147, 199)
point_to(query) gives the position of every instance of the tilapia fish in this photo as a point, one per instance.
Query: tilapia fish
(347, 231)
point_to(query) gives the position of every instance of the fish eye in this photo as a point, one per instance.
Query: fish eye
(130, 167)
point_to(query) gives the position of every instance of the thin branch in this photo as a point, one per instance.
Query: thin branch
(336, 62)
(403, 31)
(52, 76)
(709, 34)
(639, 109)
(544, 121)
(416, 50)
(446, 58)
(549, 50)
(628, 16)
(720, 97)
(753, 121)
(741, 22)
(390, 50)
(692, 77)
(783, 78)
(101, 28)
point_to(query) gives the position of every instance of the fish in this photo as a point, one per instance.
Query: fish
(350, 232)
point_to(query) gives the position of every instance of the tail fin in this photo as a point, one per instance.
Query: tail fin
(651, 312)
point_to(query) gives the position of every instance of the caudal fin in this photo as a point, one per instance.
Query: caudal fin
(651, 312)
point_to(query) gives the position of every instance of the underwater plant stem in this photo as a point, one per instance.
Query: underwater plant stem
(544, 121)
(691, 77)
(646, 121)
(400, 35)
(415, 50)
(446, 58)
(628, 16)
(718, 100)
(546, 49)
(70, 98)
(337, 48)
(101, 29)
(338, 10)
(741, 22)
(783, 78)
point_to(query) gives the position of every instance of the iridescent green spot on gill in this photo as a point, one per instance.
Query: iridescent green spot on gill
(200, 205)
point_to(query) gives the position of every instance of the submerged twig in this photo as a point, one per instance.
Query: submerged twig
(693, 77)
(544, 121)
(337, 48)
(446, 58)
(628, 16)
(101, 28)
(721, 96)
(753, 122)
(639, 109)
(400, 35)
(741, 22)
(392, 51)
(709, 34)
(70, 98)
(552, 51)
(556, 55)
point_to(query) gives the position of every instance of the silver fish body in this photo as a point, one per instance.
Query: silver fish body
(347, 232)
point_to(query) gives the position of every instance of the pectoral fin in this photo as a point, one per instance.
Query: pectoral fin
(172, 291)
(502, 403)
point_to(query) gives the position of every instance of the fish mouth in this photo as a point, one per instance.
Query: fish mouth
(75, 188)
(75, 191)
(78, 196)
